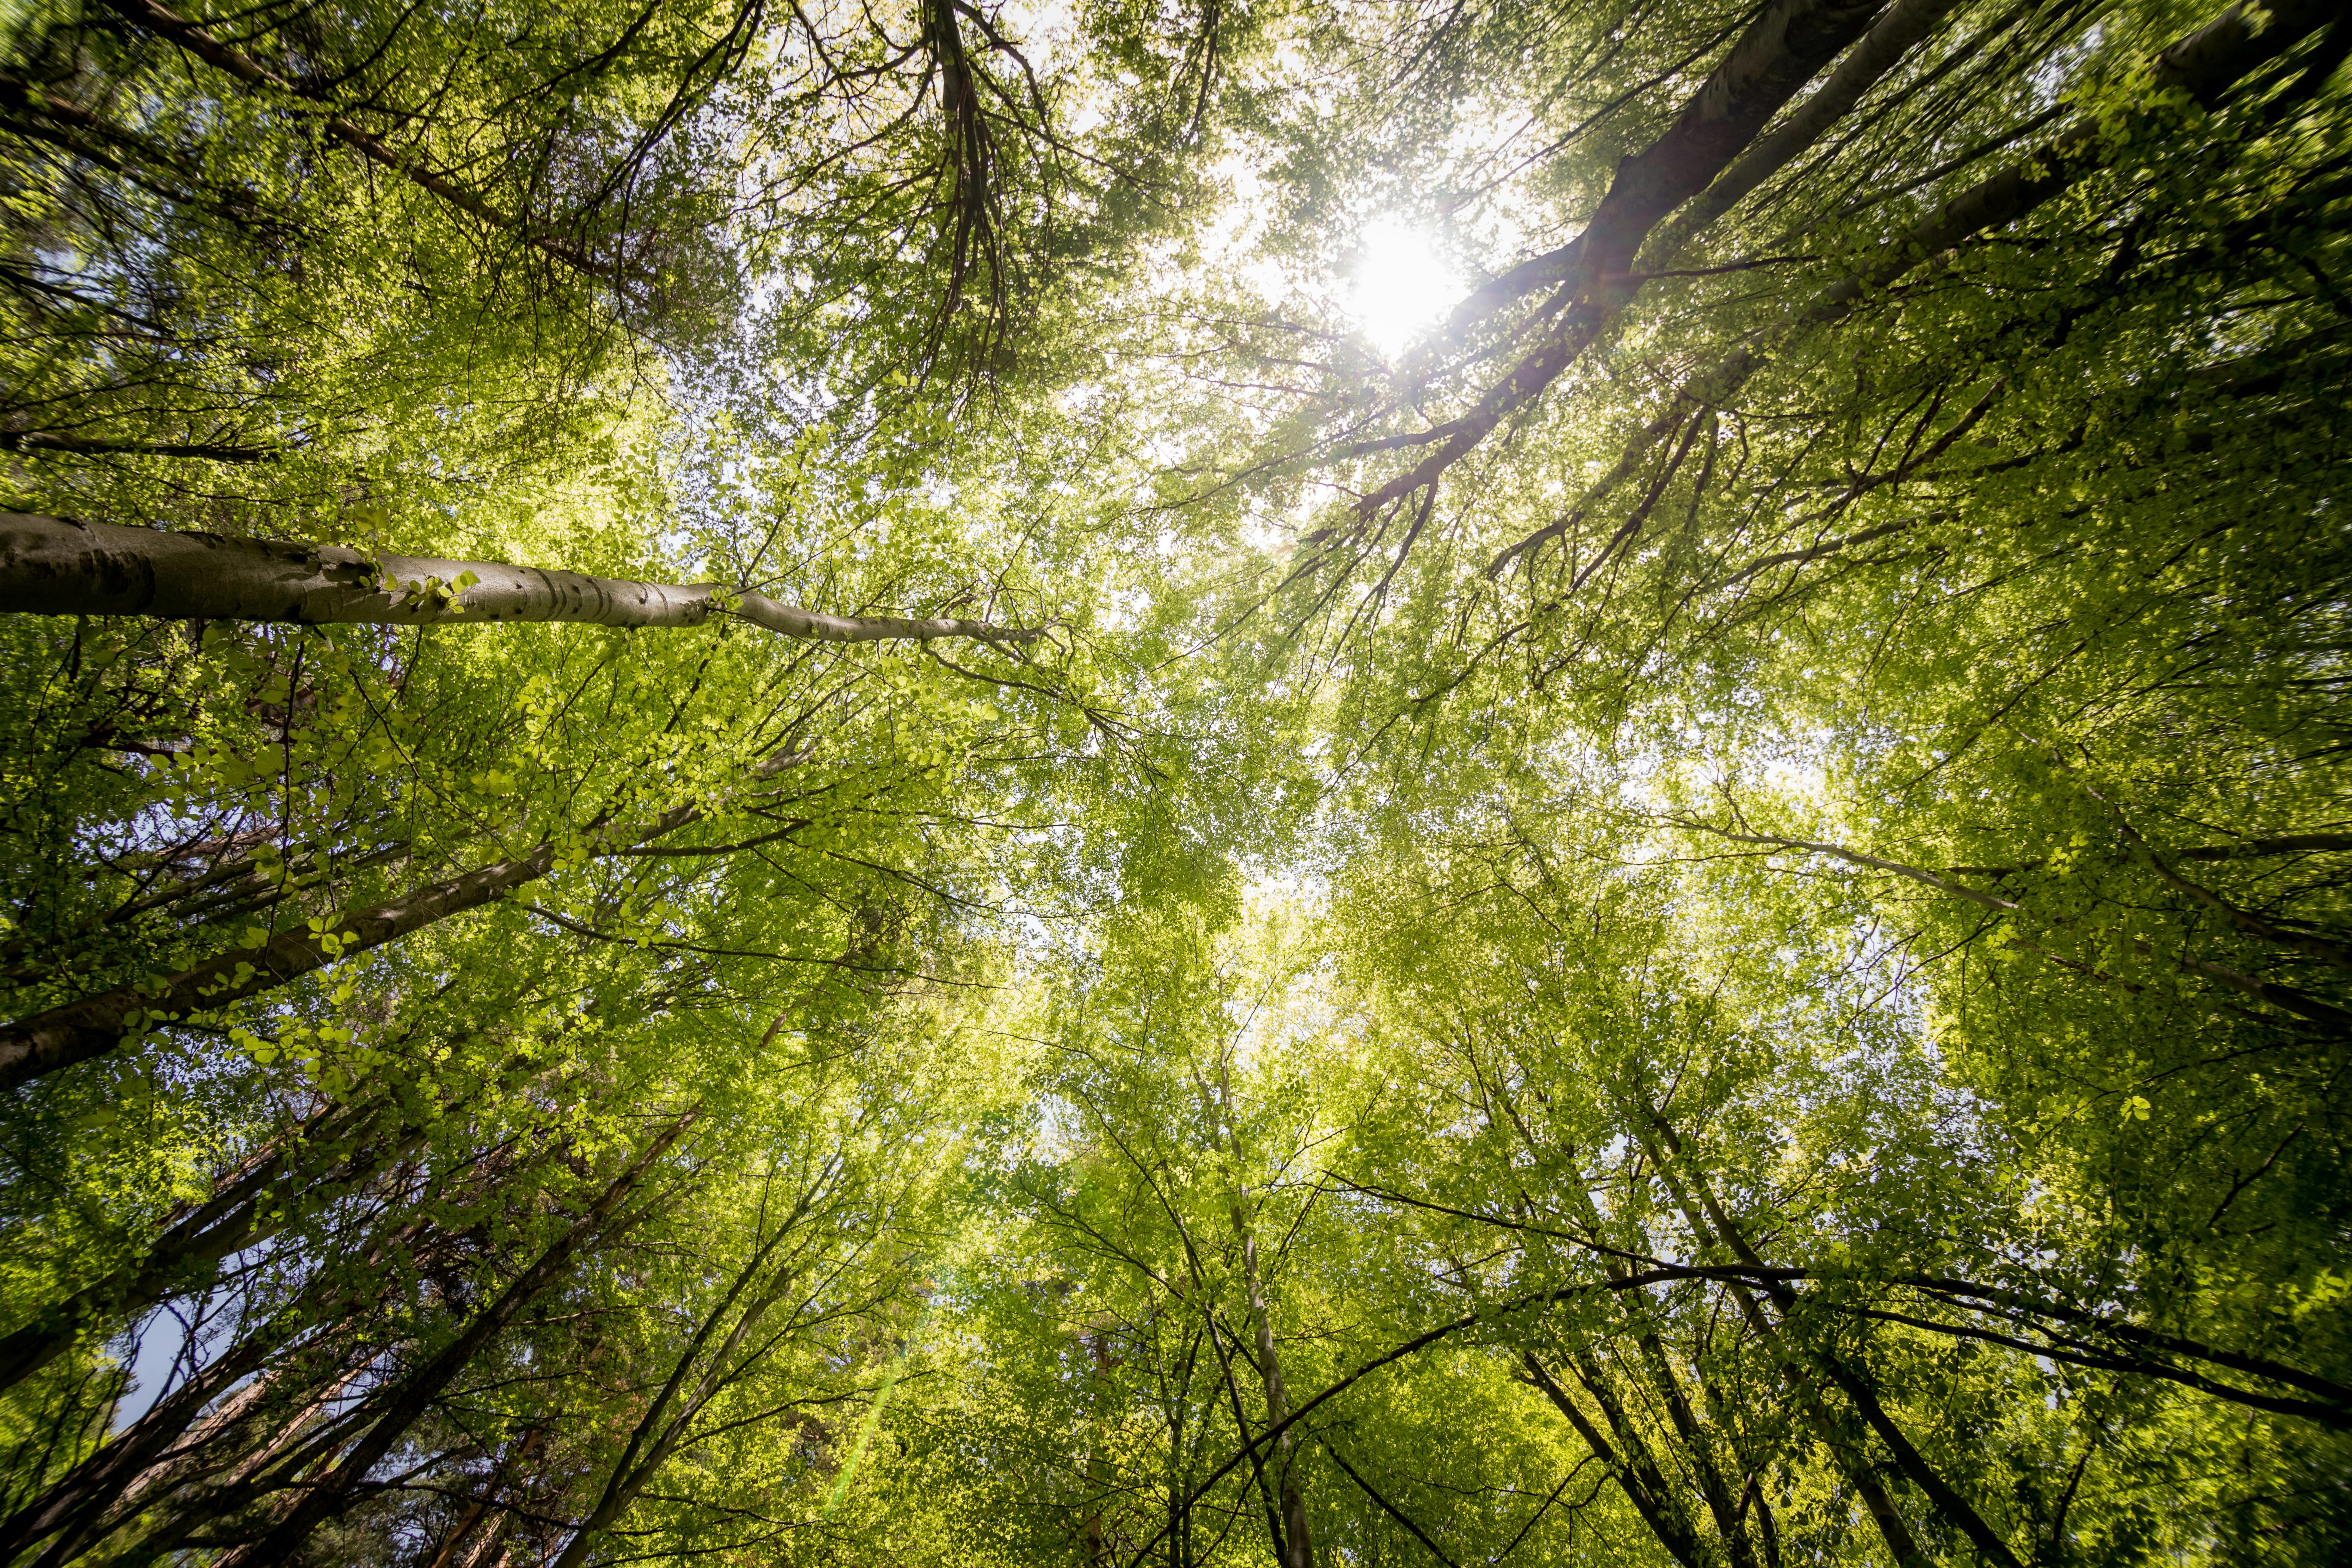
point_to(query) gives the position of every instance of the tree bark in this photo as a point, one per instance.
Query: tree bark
(54, 566)
(233, 892)
(1908, 1458)
(142, 1452)
(1297, 1546)
(453, 1550)
(1880, 49)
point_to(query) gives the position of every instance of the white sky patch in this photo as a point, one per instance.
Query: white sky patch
(1400, 286)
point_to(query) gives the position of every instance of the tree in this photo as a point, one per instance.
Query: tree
(774, 786)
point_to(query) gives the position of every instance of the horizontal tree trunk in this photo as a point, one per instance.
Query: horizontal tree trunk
(54, 566)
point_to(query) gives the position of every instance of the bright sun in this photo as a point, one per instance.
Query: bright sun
(1400, 287)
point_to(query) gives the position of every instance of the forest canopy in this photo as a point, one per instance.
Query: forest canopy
(1088, 785)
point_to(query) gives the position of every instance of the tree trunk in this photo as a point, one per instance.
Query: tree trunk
(1695, 1439)
(2205, 64)
(453, 1551)
(1294, 1546)
(331, 1493)
(658, 1432)
(144, 1452)
(1880, 49)
(1908, 1458)
(94, 1025)
(251, 1207)
(1636, 1476)
(1777, 53)
(1297, 1549)
(233, 892)
(54, 566)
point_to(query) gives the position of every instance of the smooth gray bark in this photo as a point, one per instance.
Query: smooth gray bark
(56, 566)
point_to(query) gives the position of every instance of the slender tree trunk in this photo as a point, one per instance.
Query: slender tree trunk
(1242, 1430)
(97, 1024)
(1904, 26)
(237, 890)
(1297, 1550)
(54, 566)
(143, 1453)
(1636, 1476)
(249, 1209)
(452, 1552)
(1908, 1458)
(267, 1466)
(1294, 1546)
(1695, 1439)
(332, 1492)
(658, 1431)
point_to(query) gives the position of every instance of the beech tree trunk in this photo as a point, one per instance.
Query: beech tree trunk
(54, 566)
(1908, 1458)
(1880, 50)
(1775, 57)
